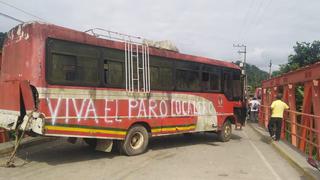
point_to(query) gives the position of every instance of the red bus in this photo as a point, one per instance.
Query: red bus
(60, 82)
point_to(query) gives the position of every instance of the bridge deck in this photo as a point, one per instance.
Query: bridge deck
(200, 156)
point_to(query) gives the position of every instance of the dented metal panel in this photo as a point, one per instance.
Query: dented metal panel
(26, 93)
(9, 104)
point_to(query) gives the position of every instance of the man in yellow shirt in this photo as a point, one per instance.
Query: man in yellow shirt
(277, 109)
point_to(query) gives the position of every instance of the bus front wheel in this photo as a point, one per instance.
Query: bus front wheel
(136, 141)
(225, 133)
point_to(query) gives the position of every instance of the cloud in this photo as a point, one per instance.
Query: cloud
(204, 27)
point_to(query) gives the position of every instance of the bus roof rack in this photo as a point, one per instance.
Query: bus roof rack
(112, 35)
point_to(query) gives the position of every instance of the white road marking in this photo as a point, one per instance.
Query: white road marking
(262, 157)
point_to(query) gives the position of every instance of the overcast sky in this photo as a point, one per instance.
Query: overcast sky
(269, 28)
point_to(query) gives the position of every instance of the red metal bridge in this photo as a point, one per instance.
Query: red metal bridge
(301, 127)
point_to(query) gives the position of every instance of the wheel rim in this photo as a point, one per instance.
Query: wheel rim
(227, 131)
(137, 140)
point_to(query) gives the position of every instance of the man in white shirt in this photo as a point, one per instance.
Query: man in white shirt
(254, 105)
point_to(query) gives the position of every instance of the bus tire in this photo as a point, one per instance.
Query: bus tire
(225, 133)
(136, 141)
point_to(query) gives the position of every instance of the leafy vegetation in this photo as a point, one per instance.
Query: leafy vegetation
(304, 54)
(255, 75)
(2, 36)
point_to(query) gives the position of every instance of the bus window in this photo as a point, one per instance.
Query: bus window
(155, 77)
(161, 73)
(66, 69)
(87, 70)
(227, 82)
(113, 73)
(187, 80)
(63, 68)
(237, 90)
(187, 76)
(211, 79)
(70, 63)
(166, 78)
(215, 81)
(205, 81)
(106, 71)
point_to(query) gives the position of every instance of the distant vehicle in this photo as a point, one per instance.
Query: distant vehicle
(258, 93)
(61, 82)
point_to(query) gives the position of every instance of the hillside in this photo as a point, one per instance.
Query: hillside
(255, 75)
(2, 36)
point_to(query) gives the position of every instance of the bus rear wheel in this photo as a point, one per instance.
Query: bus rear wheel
(225, 133)
(136, 141)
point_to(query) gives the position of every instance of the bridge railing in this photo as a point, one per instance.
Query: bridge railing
(301, 124)
(306, 135)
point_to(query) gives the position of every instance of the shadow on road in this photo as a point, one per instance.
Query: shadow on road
(61, 152)
(175, 141)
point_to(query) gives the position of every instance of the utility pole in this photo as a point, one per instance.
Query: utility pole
(270, 64)
(244, 61)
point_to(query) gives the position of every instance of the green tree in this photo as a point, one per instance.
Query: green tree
(276, 73)
(2, 36)
(255, 75)
(304, 54)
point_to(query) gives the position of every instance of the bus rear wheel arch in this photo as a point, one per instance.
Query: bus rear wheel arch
(136, 141)
(225, 133)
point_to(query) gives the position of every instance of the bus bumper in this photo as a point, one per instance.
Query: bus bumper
(17, 107)
(9, 119)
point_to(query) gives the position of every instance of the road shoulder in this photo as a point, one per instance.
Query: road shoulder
(288, 152)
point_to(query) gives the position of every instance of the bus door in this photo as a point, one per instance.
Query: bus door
(211, 84)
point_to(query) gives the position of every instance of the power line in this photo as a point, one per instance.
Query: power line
(246, 18)
(25, 12)
(10, 17)
(256, 17)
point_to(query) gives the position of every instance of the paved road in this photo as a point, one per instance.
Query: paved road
(200, 156)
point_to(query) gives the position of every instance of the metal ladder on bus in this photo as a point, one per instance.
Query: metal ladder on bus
(137, 62)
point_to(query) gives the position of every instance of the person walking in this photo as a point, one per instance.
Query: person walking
(277, 109)
(254, 109)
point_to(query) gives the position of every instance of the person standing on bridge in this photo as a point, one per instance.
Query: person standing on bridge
(277, 109)
(254, 105)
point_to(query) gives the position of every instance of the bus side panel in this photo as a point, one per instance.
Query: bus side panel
(100, 113)
(28, 100)
(9, 104)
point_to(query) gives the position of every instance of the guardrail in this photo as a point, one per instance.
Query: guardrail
(301, 128)
(305, 136)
